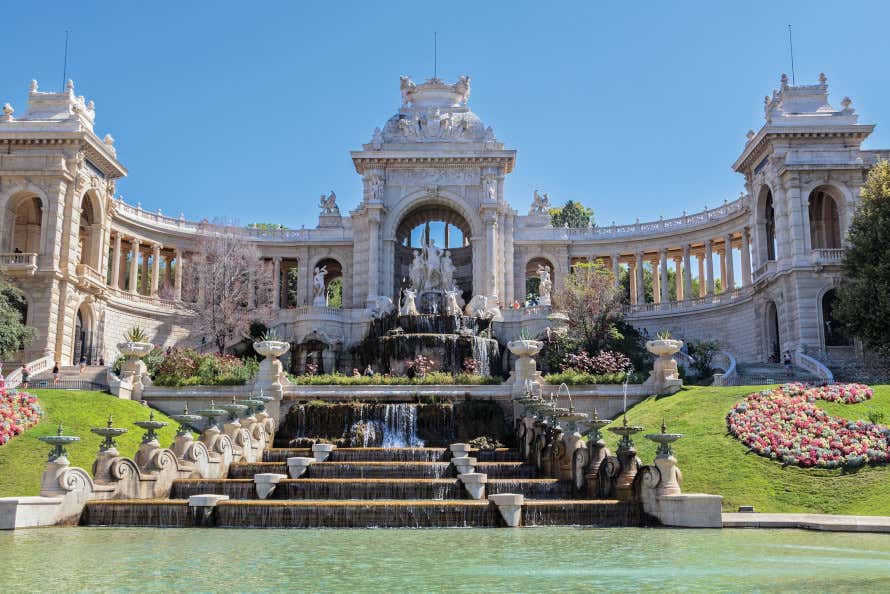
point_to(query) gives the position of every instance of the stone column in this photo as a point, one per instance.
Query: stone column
(687, 274)
(143, 281)
(709, 266)
(116, 262)
(155, 268)
(730, 274)
(134, 265)
(276, 282)
(678, 278)
(616, 268)
(491, 237)
(633, 282)
(638, 277)
(374, 253)
(177, 276)
(663, 283)
(168, 271)
(722, 254)
(656, 281)
(702, 287)
(746, 257)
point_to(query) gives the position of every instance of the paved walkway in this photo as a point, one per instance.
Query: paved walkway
(808, 522)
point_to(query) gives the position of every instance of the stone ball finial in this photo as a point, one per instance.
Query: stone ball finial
(91, 106)
(69, 86)
(7, 109)
(109, 140)
(846, 102)
(784, 80)
(751, 134)
(822, 78)
(33, 87)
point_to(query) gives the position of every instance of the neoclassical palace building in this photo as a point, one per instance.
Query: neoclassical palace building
(756, 273)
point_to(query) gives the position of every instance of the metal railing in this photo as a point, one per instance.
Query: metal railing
(65, 383)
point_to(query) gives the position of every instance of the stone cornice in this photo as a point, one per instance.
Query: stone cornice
(95, 149)
(759, 144)
(365, 160)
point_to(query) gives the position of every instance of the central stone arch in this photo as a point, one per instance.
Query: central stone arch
(444, 221)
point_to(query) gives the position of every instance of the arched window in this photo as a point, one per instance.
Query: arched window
(825, 230)
(532, 279)
(27, 219)
(333, 282)
(769, 215)
(89, 232)
(835, 331)
(773, 339)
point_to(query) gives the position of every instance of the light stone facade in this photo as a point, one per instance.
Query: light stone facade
(84, 257)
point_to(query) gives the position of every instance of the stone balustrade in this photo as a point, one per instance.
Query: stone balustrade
(16, 264)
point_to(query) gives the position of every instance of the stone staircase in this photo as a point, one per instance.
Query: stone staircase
(771, 373)
(71, 378)
(368, 487)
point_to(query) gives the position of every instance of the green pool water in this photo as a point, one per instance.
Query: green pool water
(472, 560)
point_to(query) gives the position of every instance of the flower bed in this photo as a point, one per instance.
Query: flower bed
(784, 424)
(430, 379)
(18, 411)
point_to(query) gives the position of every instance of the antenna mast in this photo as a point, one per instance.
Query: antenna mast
(791, 48)
(65, 65)
(436, 54)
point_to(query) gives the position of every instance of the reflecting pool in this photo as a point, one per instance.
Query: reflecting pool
(446, 560)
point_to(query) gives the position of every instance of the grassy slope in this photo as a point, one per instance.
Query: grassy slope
(22, 459)
(714, 462)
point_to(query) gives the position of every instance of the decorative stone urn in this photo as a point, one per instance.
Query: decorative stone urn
(270, 376)
(525, 367)
(133, 368)
(664, 377)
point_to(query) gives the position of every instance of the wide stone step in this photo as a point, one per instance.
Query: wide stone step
(307, 488)
(355, 514)
(535, 488)
(392, 455)
(385, 469)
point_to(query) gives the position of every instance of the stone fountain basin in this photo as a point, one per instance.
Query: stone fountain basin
(572, 417)
(663, 437)
(58, 439)
(525, 348)
(135, 349)
(150, 424)
(271, 348)
(109, 431)
(211, 412)
(664, 347)
(187, 418)
(626, 430)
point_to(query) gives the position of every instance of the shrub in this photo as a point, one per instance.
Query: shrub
(575, 378)
(430, 379)
(603, 363)
(188, 367)
(702, 353)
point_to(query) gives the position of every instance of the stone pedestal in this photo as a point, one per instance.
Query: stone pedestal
(297, 465)
(670, 476)
(270, 377)
(460, 450)
(321, 451)
(474, 483)
(597, 454)
(525, 369)
(510, 507)
(266, 482)
(464, 464)
(627, 458)
(133, 368)
(571, 442)
(665, 376)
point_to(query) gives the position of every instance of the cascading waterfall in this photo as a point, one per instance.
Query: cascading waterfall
(400, 426)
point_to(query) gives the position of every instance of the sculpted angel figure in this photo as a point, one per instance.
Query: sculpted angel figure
(417, 271)
(407, 87)
(451, 306)
(463, 87)
(447, 269)
(377, 139)
(546, 284)
(328, 203)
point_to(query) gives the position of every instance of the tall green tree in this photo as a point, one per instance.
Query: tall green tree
(571, 214)
(864, 296)
(14, 334)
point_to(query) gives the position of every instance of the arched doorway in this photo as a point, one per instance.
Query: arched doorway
(825, 229)
(533, 280)
(27, 218)
(773, 338)
(834, 331)
(333, 281)
(89, 232)
(84, 336)
(433, 252)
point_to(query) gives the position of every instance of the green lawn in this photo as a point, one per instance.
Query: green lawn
(714, 462)
(22, 459)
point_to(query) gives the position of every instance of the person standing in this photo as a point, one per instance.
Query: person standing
(83, 362)
(56, 373)
(26, 376)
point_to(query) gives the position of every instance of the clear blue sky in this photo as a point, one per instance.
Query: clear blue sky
(248, 110)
